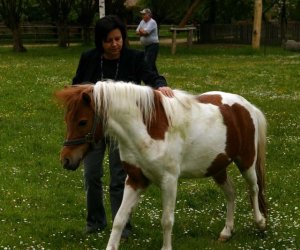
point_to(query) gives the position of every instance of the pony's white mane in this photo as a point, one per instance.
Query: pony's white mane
(111, 96)
(177, 108)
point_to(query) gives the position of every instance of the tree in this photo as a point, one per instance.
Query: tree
(86, 13)
(164, 11)
(116, 7)
(59, 11)
(11, 12)
(101, 8)
(194, 6)
(295, 11)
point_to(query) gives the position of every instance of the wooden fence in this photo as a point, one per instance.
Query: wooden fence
(40, 34)
(240, 33)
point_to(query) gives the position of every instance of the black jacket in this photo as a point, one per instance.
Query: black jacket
(132, 68)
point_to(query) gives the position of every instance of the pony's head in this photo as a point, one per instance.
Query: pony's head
(83, 126)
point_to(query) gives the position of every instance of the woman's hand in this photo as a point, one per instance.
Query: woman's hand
(167, 91)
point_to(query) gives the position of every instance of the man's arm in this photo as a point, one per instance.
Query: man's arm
(142, 32)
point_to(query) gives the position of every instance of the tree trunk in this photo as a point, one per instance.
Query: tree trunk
(63, 34)
(101, 8)
(17, 40)
(283, 22)
(11, 12)
(86, 34)
(257, 24)
(190, 12)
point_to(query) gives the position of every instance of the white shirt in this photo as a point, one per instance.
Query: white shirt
(151, 28)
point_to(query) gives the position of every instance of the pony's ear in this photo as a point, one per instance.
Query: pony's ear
(86, 98)
(60, 96)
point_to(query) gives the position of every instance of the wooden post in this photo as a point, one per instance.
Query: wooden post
(190, 38)
(174, 41)
(257, 24)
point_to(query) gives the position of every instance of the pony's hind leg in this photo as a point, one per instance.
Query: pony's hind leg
(226, 185)
(256, 196)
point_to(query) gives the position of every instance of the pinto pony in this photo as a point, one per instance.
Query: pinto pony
(161, 139)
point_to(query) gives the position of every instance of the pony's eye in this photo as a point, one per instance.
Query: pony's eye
(82, 123)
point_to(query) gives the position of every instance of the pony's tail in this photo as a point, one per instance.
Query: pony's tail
(260, 161)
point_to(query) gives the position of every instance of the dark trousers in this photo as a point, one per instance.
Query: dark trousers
(93, 173)
(151, 52)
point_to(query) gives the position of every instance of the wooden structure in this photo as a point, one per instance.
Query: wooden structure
(241, 33)
(238, 33)
(189, 30)
(257, 24)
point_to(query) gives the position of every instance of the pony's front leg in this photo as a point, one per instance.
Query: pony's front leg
(130, 199)
(169, 192)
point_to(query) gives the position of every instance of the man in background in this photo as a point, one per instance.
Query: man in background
(147, 30)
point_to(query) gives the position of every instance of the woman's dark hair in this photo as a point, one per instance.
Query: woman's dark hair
(106, 25)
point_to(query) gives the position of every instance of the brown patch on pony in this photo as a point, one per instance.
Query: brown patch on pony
(212, 99)
(240, 146)
(218, 168)
(221, 177)
(240, 135)
(136, 179)
(159, 123)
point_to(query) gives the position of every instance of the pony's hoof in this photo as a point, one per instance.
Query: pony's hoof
(224, 238)
(262, 224)
(226, 234)
(111, 248)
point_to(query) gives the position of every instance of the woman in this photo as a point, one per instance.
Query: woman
(110, 60)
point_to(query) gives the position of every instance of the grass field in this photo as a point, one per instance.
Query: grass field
(42, 206)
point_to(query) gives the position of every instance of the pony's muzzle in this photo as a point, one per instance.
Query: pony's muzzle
(71, 157)
(68, 165)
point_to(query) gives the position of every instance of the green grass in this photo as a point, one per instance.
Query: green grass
(42, 206)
